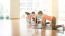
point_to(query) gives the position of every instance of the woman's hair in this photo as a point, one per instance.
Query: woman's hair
(33, 12)
(40, 12)
(27, 13)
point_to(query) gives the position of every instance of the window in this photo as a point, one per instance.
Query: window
(5, 23)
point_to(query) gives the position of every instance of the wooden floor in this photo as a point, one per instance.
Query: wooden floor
(39, 32)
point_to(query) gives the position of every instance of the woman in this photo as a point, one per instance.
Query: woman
(33, 20)
(28, 19)
(40, 20)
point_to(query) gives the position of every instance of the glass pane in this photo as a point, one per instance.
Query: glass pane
(5, 23)
(61, 16)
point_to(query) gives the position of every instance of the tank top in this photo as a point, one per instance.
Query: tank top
(28, 19)
(39, 21)
(33, 17)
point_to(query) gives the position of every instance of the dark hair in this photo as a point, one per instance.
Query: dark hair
(27, 13)
(33, 12)
(40, 12)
